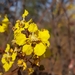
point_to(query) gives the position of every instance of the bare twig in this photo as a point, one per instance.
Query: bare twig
(7, 37)
(40, 19)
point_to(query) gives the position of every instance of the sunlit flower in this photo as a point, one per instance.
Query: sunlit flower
(7, 48)
(20, 39)
(22, 64)
(4, 25)
(44, 35)
(39, 49)
(25, 13)
(8, 58)
(7, 65)
(28, 41)
(5, 19)
(2, 29)
(33, 37)
(27, 49)
(14, 54)
(32, 27)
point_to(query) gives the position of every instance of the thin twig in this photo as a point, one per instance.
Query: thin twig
(42, 16)
(6, 39)
(69, 33)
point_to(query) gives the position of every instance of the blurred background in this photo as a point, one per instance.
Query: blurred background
(58, 16)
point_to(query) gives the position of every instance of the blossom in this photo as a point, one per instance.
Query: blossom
(43, 35)
(7, 65)
(4, 25)
(27, 49)
(7, 48)
(20, 39)
(2, 29)
(6, 62)
(33, 37)
(5, 19)
(28, 41)
(14, 54)
(8, 58)
(25, 13)
(3, 60)
(32, 27)
(21, 63)
(39, 49)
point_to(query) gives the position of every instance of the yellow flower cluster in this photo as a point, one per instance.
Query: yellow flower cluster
(28, 40)
(8, 58)
(32, 40)
(4, 24)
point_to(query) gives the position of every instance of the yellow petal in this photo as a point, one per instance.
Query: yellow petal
(7, 66)
(2, 29)
(20, 39)
(33, 37)
(7, 48)
(25, 13)
(24, 66)
(5, 19)
(20, 61)
(44, 35)
(39, 49)
(32, 27)
(3, 60)
(14, 55)
(27, 49)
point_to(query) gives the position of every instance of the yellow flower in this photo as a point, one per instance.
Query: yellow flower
(5, 19)
(20, 61)
(44, 35)
(4, 25)
(7, 65)
(27, 24)
(27, 49)
(18, 31)
(16, 26)
(25, 13)
(2, 29)
(6, 62)
(20, 39)
(8, 58)
(3, 60)
(39, 49)
(22, 64)
(48, 43)
(33, 37)
(11, 50)
(32, 27)
(30, 71)
(7, 48)
(14, 54)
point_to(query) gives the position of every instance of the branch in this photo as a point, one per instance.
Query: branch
(42, 16)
